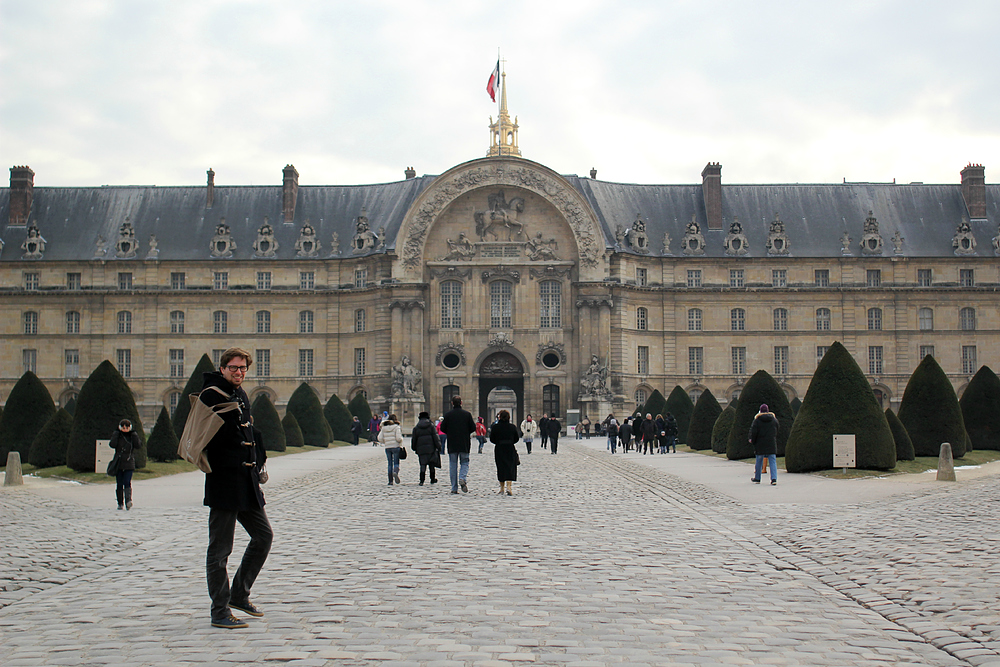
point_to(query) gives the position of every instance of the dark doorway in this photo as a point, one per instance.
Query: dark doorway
(501, 371)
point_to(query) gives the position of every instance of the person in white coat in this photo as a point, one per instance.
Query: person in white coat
(390, 436)
(529, 429)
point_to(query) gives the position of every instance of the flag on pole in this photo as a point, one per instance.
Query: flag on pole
(494, 82)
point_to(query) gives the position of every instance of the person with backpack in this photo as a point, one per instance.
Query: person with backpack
(612, 429)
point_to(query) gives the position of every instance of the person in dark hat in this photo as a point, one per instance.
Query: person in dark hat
(764, 438)
(426, 445)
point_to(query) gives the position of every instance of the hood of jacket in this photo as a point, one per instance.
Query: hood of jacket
(765, 416)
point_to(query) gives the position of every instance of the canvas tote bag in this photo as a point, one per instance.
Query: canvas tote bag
(202, 424)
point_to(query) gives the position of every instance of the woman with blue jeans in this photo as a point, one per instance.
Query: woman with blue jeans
(390, 436)
(124, 441)
(764, 438)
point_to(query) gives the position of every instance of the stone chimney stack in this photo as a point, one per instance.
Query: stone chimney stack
(711, 191)
(410, 173)
(593, 172)
(22, 188)
(210, 193)
(289, 192)
(973, 190)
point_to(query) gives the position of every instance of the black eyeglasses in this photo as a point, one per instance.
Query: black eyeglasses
(237, 369)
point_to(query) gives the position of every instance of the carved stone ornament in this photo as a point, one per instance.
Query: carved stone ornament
(265, 245)
(550, 272)
(407, 305)
(693, 242)
(595, 302)
(364, 240)
(451, 273)
(500, 340)
(126, 244)
(502, 363)
(620, 235)
(665, 250)
(307, 245)
(407, 381)
(777, 239)
(539, 249)
(996, 242)
(461, 250)
(595, 379)
(381, 238)
(871, 241)
(502, 272)
(638, 239)
(101, 248)
(845, 244)
(736, 241)
(222, 244)
(897, 243)
(500, 220)
(551, 346)
(450, 346)
(964, 242)
(154, 250)
(335, 243)
(565, 200)
(34, 244)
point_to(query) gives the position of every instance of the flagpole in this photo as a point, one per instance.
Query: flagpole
(499, 105)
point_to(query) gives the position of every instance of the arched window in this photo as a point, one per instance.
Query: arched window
(172, 400)
(501, 304)
(306, 321)
(124, 322)
(781, 319)
(360, 320)
(925, 319)
(177, 321)
(263, 321)
(874, 319)
(641, 318)
(967, 319)
(823, 319)
(737, 319)
(30, 323)
(694, 319)
(550, 306)
(695, 394)
(73, 322)
(451, 305)
(641, 397)
(220, 322)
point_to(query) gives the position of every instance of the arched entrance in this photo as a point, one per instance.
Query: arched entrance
(501, 386)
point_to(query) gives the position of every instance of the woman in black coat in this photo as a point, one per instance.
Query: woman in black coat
(504, 435)
(124, 441)
(426, 444)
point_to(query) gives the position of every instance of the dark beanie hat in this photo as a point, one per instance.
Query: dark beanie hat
(424, 415)
(763, 407)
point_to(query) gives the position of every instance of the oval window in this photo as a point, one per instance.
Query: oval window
(451, 360)
(550, 360)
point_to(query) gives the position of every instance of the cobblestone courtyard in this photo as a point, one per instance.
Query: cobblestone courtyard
(596, 560)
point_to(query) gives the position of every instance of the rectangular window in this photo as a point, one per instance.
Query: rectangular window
(305, 363)
(821, 351)
(821, 277)
(875, 360)
(641, 319)
(220, 280)
(696, 360)
(360, 277)
(451, 305)
(924, 278)
(263, 280)
(72, 322)
(360, 321)
(694, 278)
(779, 278)
(124, 358)
(781, 319)
(31, 280)
(359, 360)
(550, 400)
(694, 319)
(500, 304)
(967, 277)
(124, 322)
(262, 362)
(736, 278)
(306, 321)
(29, 361)
(177, 321)
(737, 319)
(925, 350)
(307, 280)
(31, 323)
(73, 281)
(177, 280)
(640, 277)
(217, 357)
(969, 365)
(642, 360)
(873, 278)
(72, 363)
(125, 280)
(263, 321)
(550, 294)
(220, 322)
(781, 360)
(176, 363)
(739, 355)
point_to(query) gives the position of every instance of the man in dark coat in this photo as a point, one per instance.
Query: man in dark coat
(426, 445)
(553, 427)
(625, 434)
(232, 491)
(648, 434)
(458, 427)
(543, 430)
(637, 431)
(764, 438)
(356, 430)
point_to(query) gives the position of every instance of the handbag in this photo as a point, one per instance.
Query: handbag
(262, 476)
(402, 453)
(113, 465)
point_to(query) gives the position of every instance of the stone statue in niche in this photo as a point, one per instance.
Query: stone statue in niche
(461, 250)
(265, 245)
(897, 243)
(501, 216)
(125, 246)
(666, 243)
(307, 245)
(34, 244)
(845, 244)
(637, 237)
(620, 235)
(693, 242)
(222, 244)
(335, 243)
(736, 241)
(541, 249)
(364, 240)
(406, 380)
(964, 242)
(595, 379)
(154, 250)
(871, 241)
(777, 239)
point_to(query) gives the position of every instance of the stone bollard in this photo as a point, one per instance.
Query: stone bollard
(13, 476)
(946, 466)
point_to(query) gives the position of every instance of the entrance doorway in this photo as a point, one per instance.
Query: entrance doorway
(501, 387)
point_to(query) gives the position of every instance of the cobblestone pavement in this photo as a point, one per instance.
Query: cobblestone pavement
(596, 560)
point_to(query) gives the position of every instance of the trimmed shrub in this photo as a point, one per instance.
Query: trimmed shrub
(735, 402)
(293, 434)
(267, 421)
(308, 411)
(359, 408)
(194, 384)
(162, 443)
(795, 405)
(761, 388)
(29, 408)
(980, 405)
(930, 411)
(904, 446)
(720, 430)
(655, 405)
(49, 447)
(339, 418)
(679, 404)
(105, 399)
(71, 406)
(839, 401)
(703, 417)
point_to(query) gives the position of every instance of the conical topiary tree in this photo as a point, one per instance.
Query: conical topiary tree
(980, 405)
(194, 384)
(839, 401)
(104, 400)
(162, 443)
(29, 408)
(930, 411)
(71, 406)
(795, 404)
(339, 418)
(759, 389)
(359, 408)
(904, 446)
(703, 417)
(734, 402)
(655, 404)
(720, 430)
(293, 434)
(267, 421)
(679, 404)
(49, 447)
(308, 411)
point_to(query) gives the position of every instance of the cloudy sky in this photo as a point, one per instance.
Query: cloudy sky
(123, 92)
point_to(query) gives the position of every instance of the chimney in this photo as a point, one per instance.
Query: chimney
(711, 191)
(210, 193)
(289, 192)
(593, 172)
(410, 173)
(973, 190)
(22, 187)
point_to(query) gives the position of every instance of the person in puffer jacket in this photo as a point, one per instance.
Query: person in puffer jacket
(529, 427)
(390, 436)
(426, 445)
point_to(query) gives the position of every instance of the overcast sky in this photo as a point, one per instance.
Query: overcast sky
(123, 92)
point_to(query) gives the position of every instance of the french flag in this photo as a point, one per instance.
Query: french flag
(494, 82)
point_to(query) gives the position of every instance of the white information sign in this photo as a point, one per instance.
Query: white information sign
(102, 455)
(844, 451)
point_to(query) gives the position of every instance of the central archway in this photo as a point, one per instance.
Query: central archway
(501, 371)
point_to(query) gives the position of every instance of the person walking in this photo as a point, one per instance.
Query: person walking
(426, 445)
(504, 436)
(764, 438)
(124, 441)
(356, 430)
(637, 431)
(232, 492)
(543, 430)
(625, 434)
(481, 433)
(553, 427)
(442, 436)
(612, 429)
(529, 429)
(661, 433)
(648, 434)
(373, 425)
(671, 429)
(458, 427)
(390, 436)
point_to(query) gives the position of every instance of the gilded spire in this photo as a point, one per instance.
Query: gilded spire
(503, 133)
